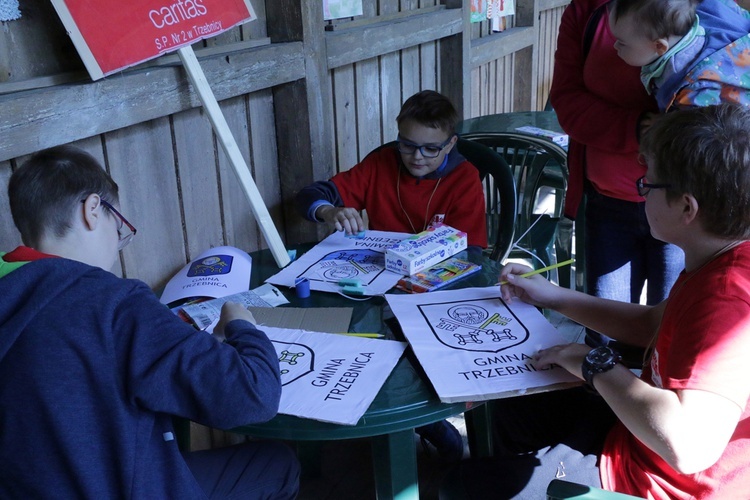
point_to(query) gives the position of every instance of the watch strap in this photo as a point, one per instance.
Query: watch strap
(590, 369)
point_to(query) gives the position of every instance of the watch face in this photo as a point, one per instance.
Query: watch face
(601, 355)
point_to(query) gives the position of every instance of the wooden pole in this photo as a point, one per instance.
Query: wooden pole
(228, 143)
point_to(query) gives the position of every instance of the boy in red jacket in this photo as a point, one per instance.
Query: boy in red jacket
(406, 187)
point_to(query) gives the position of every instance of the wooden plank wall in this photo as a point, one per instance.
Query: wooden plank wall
(304, 98)
(512, 70)
(176, 185)
(492, 81)
(367, 94)
(366, 99)
(550, 15)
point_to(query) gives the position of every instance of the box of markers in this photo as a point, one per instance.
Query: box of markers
(438, 276)
(424, 249)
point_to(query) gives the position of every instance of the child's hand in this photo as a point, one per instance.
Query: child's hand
(342, 218)
(568, 356)
(231, 311)
(534, 290)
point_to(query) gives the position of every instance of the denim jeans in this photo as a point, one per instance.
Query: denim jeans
(621, 255)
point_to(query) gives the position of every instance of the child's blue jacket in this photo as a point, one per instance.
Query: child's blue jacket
(92, 367)
(721, 70)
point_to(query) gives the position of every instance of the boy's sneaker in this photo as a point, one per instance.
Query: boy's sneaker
(445, 438)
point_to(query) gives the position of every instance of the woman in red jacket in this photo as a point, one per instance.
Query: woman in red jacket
(603, 106)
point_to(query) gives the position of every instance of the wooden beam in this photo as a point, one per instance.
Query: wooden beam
(337, 25)
(352, 45)
(455, 62)
(525, 65)
(303, 110)
(38, 119)
(496, 46)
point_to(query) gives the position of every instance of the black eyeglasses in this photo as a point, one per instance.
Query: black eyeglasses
(644, 187)
(427, 150)
(125, 236)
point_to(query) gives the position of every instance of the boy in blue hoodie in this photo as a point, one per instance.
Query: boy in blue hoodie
(692, 53)
(93, 367)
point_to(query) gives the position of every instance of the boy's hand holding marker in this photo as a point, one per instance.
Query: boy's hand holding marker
(518, 280)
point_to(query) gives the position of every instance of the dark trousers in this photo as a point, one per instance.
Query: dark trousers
(253, 470)
(621, 255)
(538, 438)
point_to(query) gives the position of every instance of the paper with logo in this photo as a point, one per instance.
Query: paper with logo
(215, 273)
(335, 9)
(331, 377)
(339, 259)
(474, 346)
(478, 11)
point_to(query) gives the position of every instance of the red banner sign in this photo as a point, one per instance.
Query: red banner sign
(111, 35)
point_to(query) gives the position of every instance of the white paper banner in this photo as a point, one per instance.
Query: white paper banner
(217, 272)
(337, 258)
(474, 346)
(331, 377)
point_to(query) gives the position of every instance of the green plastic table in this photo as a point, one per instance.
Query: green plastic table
(406, 400)
(508, 122)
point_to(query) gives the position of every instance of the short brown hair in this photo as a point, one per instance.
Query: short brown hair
(431, 109)
(658, 18)
(44, 191)
(705, 152)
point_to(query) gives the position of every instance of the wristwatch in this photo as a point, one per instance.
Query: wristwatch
(599, 360)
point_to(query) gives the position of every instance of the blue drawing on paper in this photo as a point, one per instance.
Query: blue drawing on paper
(211, 266)
(363, 264)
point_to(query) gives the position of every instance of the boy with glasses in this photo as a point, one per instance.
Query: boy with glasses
(404, 188)
(420, 180)
(681, 428)
(93, 367)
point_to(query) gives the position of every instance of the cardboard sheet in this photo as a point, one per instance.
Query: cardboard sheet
(474, 346)
(318, 319)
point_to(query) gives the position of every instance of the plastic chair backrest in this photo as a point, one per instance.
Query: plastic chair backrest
(536, 162)
(499, 193)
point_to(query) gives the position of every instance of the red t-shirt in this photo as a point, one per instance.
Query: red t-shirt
(703, 344)
(372, 185)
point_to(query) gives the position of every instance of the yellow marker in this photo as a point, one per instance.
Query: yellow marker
(538, 271)
(351, 261)
(366, 335)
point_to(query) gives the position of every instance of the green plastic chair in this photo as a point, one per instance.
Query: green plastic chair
(499, 194)
(538, 165)
(565, 490)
